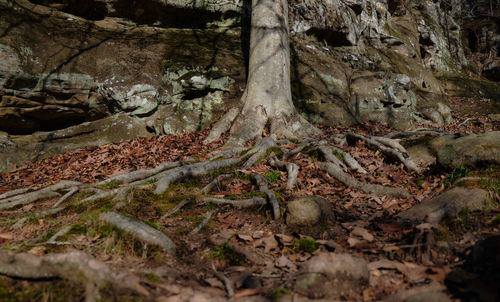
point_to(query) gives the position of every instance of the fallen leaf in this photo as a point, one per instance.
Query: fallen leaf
(246, 238)
(248, 292)
(284, 262)
(363, 233)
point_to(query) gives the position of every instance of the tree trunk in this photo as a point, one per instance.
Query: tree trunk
(267, 99)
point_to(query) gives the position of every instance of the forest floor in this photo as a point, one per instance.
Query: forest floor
(260, 257)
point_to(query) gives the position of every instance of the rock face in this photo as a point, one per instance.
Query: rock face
(179, 67)
(333, 276)
(16, 150)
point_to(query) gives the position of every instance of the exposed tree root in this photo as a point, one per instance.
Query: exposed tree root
(26, 198)
(242, 203)
(193, 170)
(75, 266)
(291, 168)
(175, 209)
(140, 230)
(271, 197)
(203, 223)
(377, 190)
(389, 147)
(227, 283)
(216, 182)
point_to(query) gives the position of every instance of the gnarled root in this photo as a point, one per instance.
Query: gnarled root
(389, 147)
(75, 266)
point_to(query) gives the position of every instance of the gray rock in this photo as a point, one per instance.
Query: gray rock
(491, 71)
(303, 211)
(332, 275)
(448, 204)
(433, 292)
(470, 150)
(16, 150)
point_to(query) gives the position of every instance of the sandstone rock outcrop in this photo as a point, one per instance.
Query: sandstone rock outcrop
(174, 65)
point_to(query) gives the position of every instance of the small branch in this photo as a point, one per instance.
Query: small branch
(350, 161)
(203, 223)
(225, 280)
(243, 203)
(465, 122)
(175, 209)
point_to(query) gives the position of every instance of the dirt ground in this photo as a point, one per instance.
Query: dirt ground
(260, 256)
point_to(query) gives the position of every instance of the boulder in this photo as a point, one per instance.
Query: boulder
(332, 275)
(491, 71)
(471, 150)
(448, 204)
(16, 150)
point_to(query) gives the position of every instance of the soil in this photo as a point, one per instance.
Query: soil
(260, 255)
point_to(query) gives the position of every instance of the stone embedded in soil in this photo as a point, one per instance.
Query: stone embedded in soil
(332, 275)
(425, 293)
(448, 204)
(470, 150)
(140, 230)
(303, 211)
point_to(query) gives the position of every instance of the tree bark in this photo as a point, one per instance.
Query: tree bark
(267, 99)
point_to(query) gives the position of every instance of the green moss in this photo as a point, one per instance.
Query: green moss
(273, 176)
(152, 277)
(227, 253)
(307, 245)
(338, 154)
(195, 219)
(456, 174)
(278, 293)
(110, 185)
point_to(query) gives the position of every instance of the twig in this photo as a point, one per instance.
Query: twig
(466, 120)
(225, 280)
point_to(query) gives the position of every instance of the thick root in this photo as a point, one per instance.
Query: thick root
(291, 168)
(193, 170)
(140, 230)
(242, 203)
(389, 147)
(271, 197)
(377, 190)
(75, 266)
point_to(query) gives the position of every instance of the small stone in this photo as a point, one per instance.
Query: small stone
(448, 204)
(332, 275)
(303, 211)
